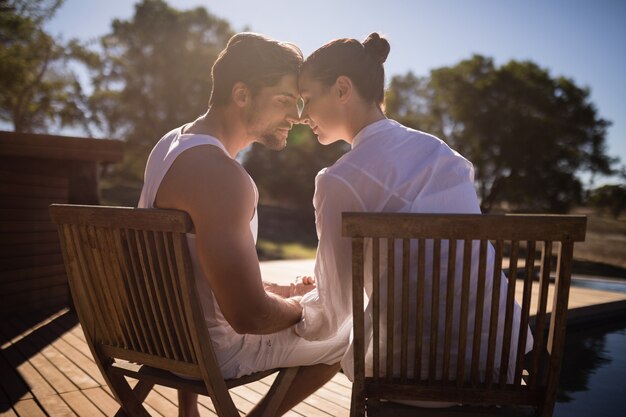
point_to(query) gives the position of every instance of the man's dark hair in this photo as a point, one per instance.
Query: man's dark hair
(255, 60)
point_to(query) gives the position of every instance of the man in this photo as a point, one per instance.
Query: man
(192, 168)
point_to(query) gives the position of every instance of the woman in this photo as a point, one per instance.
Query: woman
(390, 168)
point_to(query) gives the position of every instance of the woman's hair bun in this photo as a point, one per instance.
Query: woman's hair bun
(377, 47)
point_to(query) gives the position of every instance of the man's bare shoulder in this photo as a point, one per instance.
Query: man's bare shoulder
(199, 175)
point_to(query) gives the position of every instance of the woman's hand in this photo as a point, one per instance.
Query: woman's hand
(301, 286)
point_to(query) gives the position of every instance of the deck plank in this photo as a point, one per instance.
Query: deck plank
(7, 412)
(55, 405)
(54, 353)
(205, 406)
(36, 383)
(38, 358)
(28, 408)
(103, 400)
(77, 354)
(161, 404)
(13, 385)
(81, 405)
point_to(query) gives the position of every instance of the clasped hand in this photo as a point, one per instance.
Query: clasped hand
(301, 286)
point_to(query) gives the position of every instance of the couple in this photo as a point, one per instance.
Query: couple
(257, 83)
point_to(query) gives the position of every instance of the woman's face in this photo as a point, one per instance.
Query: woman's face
(322, 110)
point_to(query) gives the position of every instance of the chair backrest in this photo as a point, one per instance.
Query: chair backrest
(430, 276)
(132, 283)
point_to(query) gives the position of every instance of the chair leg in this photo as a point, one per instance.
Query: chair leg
(372, 406)
(131, 400)
(278, 390)
(357, 405)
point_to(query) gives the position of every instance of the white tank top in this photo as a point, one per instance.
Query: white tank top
(226, 342)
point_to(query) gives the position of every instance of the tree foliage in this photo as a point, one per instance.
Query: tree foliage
(37, 89)
(155, 75)
(611, 198)
(528, 134)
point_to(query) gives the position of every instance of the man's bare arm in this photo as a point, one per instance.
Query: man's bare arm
(218, 195)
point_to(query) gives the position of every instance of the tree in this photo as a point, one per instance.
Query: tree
(610, 197)
(38, 90)
(155, 75)
(407, 101)
(527, 134)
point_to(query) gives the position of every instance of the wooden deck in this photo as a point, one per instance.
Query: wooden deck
(46, 367)
(47, 370)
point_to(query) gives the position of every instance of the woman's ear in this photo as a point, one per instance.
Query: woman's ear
(344, 88)
(240, 94)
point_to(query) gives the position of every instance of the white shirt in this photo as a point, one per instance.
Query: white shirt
(391, 168)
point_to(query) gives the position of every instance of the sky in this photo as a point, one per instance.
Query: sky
(578, 39)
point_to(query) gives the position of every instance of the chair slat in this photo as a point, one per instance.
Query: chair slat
(358, 322)
(495, 310)
(508, 316)
(139, 290)
(77, 273)
(148, 260)
(109, 282)
(120, 283)
(391, 274)
(178, 312)
(480, 303)
(556, 335)
(165, 296)
(540, 321)
(168, 301)
(405, 309)
(110, 279)
(527, 295)
(463, 317)
(419, 307)
(434, 313)
(123, 246)
(450, 284)
(376, 305)
(100, 330)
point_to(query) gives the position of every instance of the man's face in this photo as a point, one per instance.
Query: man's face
(273, 111)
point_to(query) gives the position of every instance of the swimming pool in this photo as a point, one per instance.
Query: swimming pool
(594, 370)
(605, 284)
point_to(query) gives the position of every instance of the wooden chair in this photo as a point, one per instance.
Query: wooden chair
(133, 288)
(407, 240)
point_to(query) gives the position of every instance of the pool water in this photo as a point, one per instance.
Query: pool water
(593, 376)
(614, 285)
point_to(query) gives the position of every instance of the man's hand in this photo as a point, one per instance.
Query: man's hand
(279, 290)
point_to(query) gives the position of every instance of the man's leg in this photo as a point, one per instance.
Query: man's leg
(308, 380)
(188, 404)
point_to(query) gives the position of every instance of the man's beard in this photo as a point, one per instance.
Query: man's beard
(273, 142)
(270, 138)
